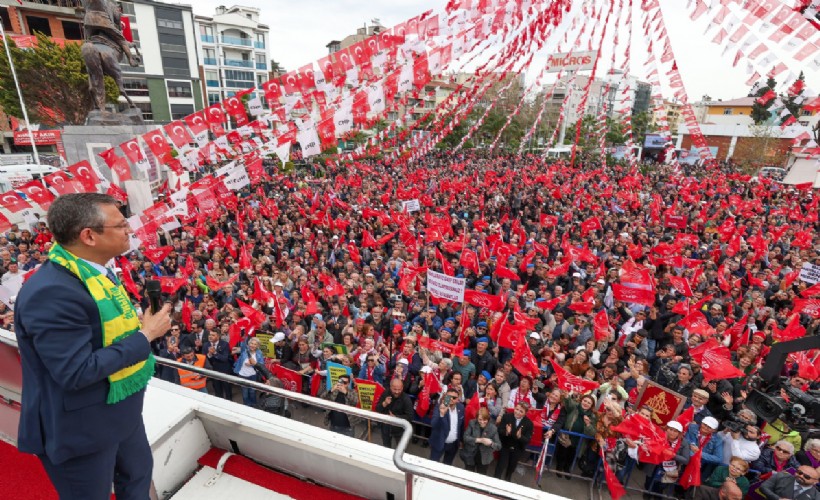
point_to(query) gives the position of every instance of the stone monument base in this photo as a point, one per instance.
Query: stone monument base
(85, 142)
(129, 116)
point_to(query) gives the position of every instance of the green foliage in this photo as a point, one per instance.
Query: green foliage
(54, 83)
(642, 124)
(761, 113)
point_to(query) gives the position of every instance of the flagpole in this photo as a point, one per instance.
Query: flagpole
(20, 95)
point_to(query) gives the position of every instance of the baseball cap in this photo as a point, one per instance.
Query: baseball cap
(534, 335)
(674, 424)
(487, 375)
(278, 337)
(481, 324)
(711, 422)
(483, 339)
(466, 353)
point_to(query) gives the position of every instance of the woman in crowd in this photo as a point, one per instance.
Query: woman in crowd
(581, 419)
(480, 442)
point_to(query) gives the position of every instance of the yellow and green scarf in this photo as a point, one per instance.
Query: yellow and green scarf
(118, 318)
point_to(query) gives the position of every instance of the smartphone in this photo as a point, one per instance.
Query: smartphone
(447, 399)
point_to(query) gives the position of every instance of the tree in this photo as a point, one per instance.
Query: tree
(616, 133)
(276, 68)
(760, 112)
(53, 81)
(642, 124)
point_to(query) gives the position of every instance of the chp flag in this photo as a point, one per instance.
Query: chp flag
(445, 287)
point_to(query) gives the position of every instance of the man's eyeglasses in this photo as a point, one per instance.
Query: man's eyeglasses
(803, 474)
(784, 450)
(122, 225)
(174, 329)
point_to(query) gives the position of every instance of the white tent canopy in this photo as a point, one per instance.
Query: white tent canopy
(803, 169)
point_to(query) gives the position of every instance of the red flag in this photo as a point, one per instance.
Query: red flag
(524, 361)
(682, 285)
(469, 260)
(633, 295)
(431, 386)
(572, 383)
(377, 392)
(601, 326)
(697, 323)
(792, 331)
(186, 315)
(437, 346)
(479, 299)
(215, 286)
(256, 316)
(117, 192)
(292, 380)
(316, 382)
(715, 366)
(471, 410)
(686, 417)
(178, 134)
(157, 255)
(35, 191)
(807, 306)
(503, 272)
(13, 202)
(244, 258)
(616, 489)
(691, 473)
(510, 336)
(735, 332)
(83, 173)
(170, 285)
(354, 253)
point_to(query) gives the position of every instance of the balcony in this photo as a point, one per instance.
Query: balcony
(212, 83)
(235, 40)
(238, 63)
(262, 66)
(240, 84)
(259, 45)
(207, 38)
(209, 61)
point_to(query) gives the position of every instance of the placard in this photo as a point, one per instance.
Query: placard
(445, 287)
(810, 273)
(666, 403)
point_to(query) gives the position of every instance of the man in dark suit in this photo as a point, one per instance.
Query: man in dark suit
(515, 432)
(448, 427)
(84, 442)
(801, 486)
(218, 353)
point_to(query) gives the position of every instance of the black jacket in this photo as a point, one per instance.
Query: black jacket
(511, 440)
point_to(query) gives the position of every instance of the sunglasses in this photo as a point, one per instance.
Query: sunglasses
(803, 474)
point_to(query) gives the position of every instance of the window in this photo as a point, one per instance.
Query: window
(38, 25)
(239, 75)
(179, 89)
(167, 23)
(135, 86)
(805, 112)
(72, 31)
(128, 8)
(4, 17)
(213, 98)
(180, 111)
(206, 30)
(147, 112)
(727, 111)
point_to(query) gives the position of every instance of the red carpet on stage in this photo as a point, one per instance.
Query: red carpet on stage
(22, 477)
(248, 470)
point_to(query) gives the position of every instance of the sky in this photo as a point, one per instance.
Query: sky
(299, 31)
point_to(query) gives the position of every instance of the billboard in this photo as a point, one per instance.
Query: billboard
(574, 61)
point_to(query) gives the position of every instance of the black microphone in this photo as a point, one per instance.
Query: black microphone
(153, 289)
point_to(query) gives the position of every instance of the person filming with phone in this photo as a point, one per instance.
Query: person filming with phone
(448, 428)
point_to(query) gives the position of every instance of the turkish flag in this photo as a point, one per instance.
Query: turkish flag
(696, 323)
(471, 409)
(117, 164)
(510, 336)
(157, 143)
(256, 316)
(62, 184)
(354, 253)
(84, 173)
(571, 383)
(197, 122)
(5, 224)
(215, 286)
(244, 258)
(367, 239)
(469, 260)
(13, 202)
(716, 365)
(35, 191)
(633, 295)
(792, 331)
(178, 134)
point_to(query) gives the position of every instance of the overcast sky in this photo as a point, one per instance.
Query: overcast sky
(299, 31)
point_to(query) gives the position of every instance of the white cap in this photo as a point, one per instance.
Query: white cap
(278, 283)
(403, 361)
(711, 422)
(278, 337)
(601, 282)
(576, 275)
(534, 335)
(674, 424)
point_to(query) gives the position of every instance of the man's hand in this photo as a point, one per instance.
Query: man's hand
(154, 326)
(509, 429)
(387, 401)
(442, 410)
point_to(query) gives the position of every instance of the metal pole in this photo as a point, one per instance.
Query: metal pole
(20, 95)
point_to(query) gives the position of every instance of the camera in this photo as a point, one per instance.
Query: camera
(734, 424)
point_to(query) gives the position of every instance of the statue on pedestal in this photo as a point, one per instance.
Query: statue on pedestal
(104, 48)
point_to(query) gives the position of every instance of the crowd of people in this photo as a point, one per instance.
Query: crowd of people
(585, 285)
